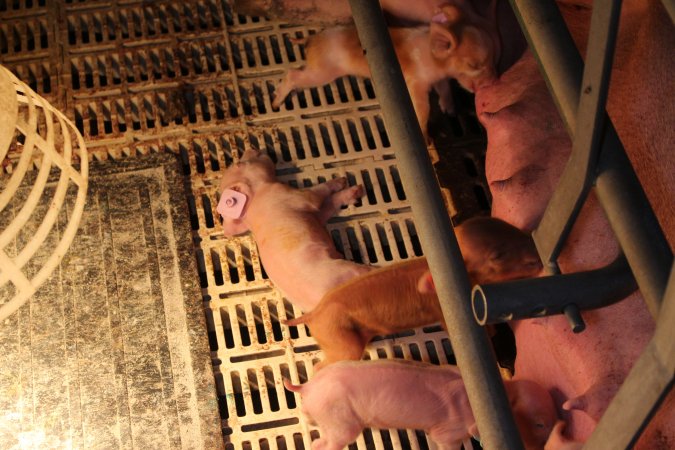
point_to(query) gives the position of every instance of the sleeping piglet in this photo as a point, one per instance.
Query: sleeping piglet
(459, 44)
(400, 297)
(348, 396)
(288, 226)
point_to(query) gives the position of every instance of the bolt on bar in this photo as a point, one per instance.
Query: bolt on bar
(475, 357)
(579, 173)
(623, 200)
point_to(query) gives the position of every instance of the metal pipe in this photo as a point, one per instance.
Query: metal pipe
(646, 386)
(618, 188)
(579, 174)
(670, 7)
(469, 341)
(634, 225)
(553, 47)
(537, 297)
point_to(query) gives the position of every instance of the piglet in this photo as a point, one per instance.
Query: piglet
(288, 226)
(493, 251)
(351, 395)
(399, 297)
(459, 44)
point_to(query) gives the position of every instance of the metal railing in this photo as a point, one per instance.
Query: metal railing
(580, 92)
(597, 161)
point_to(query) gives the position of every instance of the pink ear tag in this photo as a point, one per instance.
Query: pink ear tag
(231, 204)
(439, 17)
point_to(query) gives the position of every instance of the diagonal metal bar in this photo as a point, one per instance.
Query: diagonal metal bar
(469, 341)
(650, 380)
(579, 173)
(618, 188)
(670, 7)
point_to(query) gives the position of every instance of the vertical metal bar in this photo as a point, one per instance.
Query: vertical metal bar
(670, 7)
(646, 386)
(575, 182)
(469, 341)
(634, 224)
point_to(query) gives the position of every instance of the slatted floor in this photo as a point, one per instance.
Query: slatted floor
(194, 79)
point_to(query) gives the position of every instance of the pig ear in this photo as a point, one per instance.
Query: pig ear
(442, 35)
(242, 187)
(233, 227)
(425, 285)
(443, 41)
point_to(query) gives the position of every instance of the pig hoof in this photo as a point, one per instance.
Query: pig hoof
(338, 184)
(357, 192)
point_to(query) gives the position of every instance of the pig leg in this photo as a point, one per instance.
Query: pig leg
(300, 78)
(332, 204)
(329, 187)
(337, 335)
(444, 91)
(337, 431)
(326, 444)
(339, 345)
(442, 445)
(335, 417)
(333, 196)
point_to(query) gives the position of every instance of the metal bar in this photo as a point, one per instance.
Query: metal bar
(469, 341)
(646, 386)
(670, 7)
(575, 182)
(522, 299)
(623, 199)
(553, 47)
(634, 225)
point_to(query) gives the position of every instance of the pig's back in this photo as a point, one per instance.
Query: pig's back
(339, 50)
(397, 394)
(389, 297)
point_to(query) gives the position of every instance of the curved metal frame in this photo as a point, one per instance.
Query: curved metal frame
(42, 150)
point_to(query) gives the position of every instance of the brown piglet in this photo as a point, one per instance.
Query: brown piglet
(459, 44)
(400, 297)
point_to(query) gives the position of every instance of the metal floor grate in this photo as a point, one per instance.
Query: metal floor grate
(195, 79)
